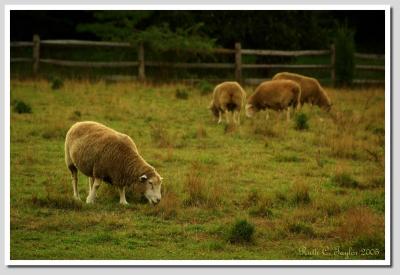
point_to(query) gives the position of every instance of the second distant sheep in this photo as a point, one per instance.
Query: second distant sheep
(276, 95)
(228, 97)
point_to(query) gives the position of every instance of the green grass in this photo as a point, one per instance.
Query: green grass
(266, 172)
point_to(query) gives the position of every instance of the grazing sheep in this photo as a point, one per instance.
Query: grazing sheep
(311, 90)
(276, 95)
(227, 97)
(106, 155)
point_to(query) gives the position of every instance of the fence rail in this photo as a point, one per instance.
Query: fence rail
(141, 63)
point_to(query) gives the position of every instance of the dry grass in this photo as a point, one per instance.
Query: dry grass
(168, 208)
(360, 222)
(199, 193)
(277, 178)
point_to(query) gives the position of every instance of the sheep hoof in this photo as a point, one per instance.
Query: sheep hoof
(124, 203)
(89, 200)
(77, 198)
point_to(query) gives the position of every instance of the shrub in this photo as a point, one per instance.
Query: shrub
(241, 232)
(181, 94)
(344, 179)
(205, 87)
(21, 107)
(301, 121)
(344, 61)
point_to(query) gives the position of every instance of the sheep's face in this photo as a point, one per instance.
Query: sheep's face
(152, 187)
(250, 110)
(326, 104)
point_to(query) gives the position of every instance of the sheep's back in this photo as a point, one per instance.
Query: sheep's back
(274, 94)
(229, 93)
(90, 144)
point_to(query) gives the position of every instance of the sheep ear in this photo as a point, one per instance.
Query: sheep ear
(143, 178)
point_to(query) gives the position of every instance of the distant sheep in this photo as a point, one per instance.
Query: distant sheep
(228, 97)
(311, 90)
(276, 95)
(106, 155)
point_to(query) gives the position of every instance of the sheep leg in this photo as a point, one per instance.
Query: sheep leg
(122, 199)
(220, 117)
(74, 173)
(234, 117)
(227, 117)
(267, 115)
(287, 114)
(238, 117)
(91, 181)
(92, 194)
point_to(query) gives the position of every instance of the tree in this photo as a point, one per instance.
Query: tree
(135, 27)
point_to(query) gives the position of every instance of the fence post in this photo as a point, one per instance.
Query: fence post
(238, 62)
(141, 71)
(333, 58)
(36, 53)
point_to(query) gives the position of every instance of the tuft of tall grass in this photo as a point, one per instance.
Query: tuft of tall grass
(168, 208)
(199, 193)
(360, 222)
(241, 232)
(300, 193)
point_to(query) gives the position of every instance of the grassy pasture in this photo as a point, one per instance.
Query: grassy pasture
(302, 193)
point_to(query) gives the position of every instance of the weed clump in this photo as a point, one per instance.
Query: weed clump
(205, 87)
(181, 94)
(344, 179)
(21, 107)
(301, 121)
(56, 83)
(241, 232)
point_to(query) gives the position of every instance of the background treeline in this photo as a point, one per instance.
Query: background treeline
(290, 30)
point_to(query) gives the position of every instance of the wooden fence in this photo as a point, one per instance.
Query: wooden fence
(238, 66)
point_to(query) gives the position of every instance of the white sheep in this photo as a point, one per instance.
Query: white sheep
(104, 154)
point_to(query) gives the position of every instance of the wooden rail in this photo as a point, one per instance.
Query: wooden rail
(286, 53)
(141, 63)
